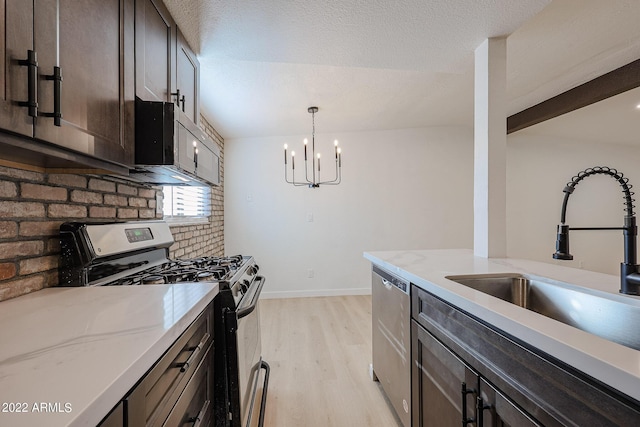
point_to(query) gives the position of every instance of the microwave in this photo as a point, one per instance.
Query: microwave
(170, 149)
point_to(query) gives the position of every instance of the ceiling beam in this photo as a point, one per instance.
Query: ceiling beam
(613, 83)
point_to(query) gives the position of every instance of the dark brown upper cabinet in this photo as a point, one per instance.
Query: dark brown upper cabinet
(166, 67)
(155, 51)
(188, 78)
(68, 83)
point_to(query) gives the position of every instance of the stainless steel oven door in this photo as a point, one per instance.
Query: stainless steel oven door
(249, 350)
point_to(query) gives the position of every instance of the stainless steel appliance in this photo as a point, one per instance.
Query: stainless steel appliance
(171, 149)
(136, 253)
(391, 316)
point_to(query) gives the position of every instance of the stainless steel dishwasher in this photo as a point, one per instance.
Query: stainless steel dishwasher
(391, 315)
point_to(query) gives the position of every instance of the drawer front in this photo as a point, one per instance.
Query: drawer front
(152, 400)
(553, 393)
(195, 405)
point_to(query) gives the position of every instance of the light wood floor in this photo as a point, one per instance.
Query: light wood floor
(319, 350)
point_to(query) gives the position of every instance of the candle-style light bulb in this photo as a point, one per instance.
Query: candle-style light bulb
(285, 153)
(293, 160)
(318, 162)
(305, 149)
(339, 157)
(335, 144)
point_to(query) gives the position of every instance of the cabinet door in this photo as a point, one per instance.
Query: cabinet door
(444, 388)
(155, 31)
(496, 410)
(188, 77)
(89, 42)
(15, 41)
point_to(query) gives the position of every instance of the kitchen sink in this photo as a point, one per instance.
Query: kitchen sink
(612, 317)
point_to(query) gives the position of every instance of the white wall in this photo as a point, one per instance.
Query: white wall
(538, 167)
(402, 189)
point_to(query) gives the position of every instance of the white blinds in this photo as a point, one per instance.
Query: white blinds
(182, 201)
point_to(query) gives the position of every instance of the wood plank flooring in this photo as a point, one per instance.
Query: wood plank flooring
(319, 350)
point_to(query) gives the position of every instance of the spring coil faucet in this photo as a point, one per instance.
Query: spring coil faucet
(629, 276)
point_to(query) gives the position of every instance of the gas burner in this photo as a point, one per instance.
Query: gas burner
(127, 281)
(153, 279)
(206, 276)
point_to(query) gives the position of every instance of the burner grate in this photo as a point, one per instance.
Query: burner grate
(203, 269)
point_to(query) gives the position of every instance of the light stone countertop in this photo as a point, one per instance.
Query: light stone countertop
(78, 351)
(609, 362)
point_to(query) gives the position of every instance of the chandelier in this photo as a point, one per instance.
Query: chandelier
(312, 179)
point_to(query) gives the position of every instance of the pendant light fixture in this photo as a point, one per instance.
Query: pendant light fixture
(312, 179)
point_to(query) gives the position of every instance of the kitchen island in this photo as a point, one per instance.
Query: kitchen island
(69, 355)
(615, 366)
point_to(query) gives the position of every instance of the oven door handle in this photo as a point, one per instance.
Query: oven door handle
(247, 310)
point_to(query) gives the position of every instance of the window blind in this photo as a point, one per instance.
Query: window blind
(181, 201)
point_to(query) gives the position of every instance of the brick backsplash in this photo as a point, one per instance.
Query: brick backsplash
(33, 205)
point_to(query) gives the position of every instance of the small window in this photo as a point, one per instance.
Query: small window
(183, 203)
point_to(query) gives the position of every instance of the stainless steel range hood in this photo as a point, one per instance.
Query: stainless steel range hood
(171, 149)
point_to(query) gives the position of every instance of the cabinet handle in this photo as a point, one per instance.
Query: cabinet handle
(195, 155)
(480, 408)
(32, 88)
(465, 391)
(386, 283)
(57, 95)
(197, 420)
(194, 351)
(179, 99)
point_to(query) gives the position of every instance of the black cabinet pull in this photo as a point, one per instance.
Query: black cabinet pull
(194, 352)
(195, 156)
(56, 77)
(197, 420)
(465, 391)
(32, 88)
(179, 99)
(480, 408)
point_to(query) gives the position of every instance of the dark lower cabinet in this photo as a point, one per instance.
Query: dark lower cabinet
(178, 389)
(494, 409)
(466, 372)
(442, 385)
(447, 392)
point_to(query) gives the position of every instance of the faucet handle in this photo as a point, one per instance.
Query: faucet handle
(562, 243)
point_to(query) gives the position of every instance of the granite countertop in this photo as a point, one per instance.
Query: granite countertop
(611, 363)
(68, 355)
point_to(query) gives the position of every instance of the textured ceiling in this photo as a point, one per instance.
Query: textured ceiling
(381, 64)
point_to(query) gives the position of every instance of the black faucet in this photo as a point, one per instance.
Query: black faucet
(629, 270)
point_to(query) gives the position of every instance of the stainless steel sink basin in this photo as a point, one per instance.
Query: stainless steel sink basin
(613, 317)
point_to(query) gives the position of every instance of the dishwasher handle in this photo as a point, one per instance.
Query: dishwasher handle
(389, 280)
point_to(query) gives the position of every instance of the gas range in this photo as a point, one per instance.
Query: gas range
(136, 253)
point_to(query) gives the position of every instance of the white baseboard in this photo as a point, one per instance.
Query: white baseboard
(315, 293)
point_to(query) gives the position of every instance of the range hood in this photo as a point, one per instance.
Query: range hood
(171, 149)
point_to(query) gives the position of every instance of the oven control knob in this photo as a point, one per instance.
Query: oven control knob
(253, 270)
(244, 285)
